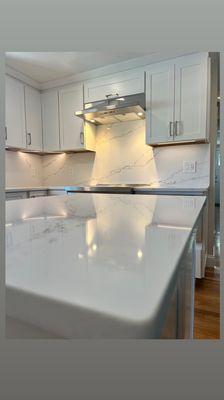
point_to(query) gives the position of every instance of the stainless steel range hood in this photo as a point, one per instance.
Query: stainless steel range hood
(114, 109)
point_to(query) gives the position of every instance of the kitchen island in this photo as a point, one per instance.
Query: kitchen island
(101, 266)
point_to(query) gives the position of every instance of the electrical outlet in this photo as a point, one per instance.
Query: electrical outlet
(34, 172)
(189, 167)
(71, 171)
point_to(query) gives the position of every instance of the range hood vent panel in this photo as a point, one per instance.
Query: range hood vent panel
(110, 111)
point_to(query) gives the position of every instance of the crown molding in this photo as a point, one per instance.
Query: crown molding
(22, 77)
(95, 73)
(111, 69)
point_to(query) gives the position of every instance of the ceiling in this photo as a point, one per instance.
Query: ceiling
(44, 67)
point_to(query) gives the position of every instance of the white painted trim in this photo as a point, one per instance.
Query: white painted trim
(95, 73)
(111, 69)
(22, 77)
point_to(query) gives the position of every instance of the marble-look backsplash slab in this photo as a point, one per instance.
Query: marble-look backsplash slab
(67, 169)
(122, 157)
(23, 169)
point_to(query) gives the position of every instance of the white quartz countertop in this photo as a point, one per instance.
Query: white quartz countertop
(95, 265)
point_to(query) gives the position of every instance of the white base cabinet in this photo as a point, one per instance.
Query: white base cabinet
(176, 100)
(179, 320)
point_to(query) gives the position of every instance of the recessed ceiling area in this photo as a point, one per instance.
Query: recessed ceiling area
(46, 66)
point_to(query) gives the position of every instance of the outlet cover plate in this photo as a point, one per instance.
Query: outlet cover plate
(189, 167)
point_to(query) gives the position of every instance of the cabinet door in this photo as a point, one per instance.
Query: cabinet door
(191, 81)
(186, 287)
(15, 195)
(15, 114)
(71, 127)
(37, 193)
(33, 119)
(160, 103)
(50, 119)
(120, 84)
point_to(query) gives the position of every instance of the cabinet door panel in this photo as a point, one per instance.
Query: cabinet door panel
(160, 103)
(50, 117)
(121, 84)
(15, 114)
(33, 118)
(186, 288)
(71, 127)
(191, 78)
(15, 195)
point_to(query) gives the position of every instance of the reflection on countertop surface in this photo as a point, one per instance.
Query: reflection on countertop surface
(114, 255)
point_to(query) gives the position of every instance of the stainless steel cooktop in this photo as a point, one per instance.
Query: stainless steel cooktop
(139, 188)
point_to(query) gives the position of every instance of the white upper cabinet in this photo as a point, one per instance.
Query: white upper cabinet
(74, 134)
(176, 100)
(160, 103)
(50, 120)
(119, 84)
(71, 127)
(15, 131)
(191, 83)
(33, 119)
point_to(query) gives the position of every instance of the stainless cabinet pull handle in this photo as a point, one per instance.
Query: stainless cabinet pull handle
(6, 133)
(82, 137)
(178, 128)
(112, 95)
(28, 136)
(171, 128)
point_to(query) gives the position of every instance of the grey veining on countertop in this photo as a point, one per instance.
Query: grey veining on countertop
(111, 257)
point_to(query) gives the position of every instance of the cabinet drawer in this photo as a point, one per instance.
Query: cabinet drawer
(121, 84)
(15, 195)
(38, 193)
(56, 192)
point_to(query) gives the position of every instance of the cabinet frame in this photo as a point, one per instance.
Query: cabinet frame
(11, 122)
(119, 83)
(85, 131)
(50, 99)
(34, 132)
(179, 137)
